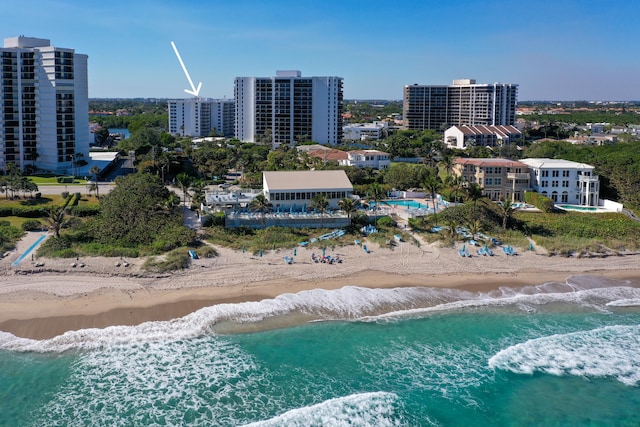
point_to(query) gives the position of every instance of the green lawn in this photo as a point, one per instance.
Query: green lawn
(48, 200)
(52, 180)
(16, 221)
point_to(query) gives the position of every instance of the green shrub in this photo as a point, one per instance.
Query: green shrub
(29, 211)
(65, 180)
(175, 260)
(98, 249)
(541, 202)
(84, 211)
(215, 220)
(64, 194)
(32, 225)
(386, 221)
(54, 245)
(172, 238)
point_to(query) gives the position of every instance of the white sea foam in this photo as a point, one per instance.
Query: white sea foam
(350, 302)
(365, 409)
(525, 300)
(610, 351)
(630, 302)
(449, 371)
(345, 303)
(192, 382)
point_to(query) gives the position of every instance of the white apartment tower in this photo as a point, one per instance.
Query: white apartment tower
(44, 107)
(288, 109)
(199, 116)
(465, 102)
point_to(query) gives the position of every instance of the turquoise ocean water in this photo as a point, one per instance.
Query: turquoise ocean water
(556, 354)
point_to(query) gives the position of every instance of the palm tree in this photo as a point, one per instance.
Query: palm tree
(375, 194)
(451, 230)
(261, 204)
(197, 187)
(184, 181)
(455, 184)
(172, 201)
(56, 219)
(475, 227)
(349, 206)
(474, 192)
(320, 203)
(506, 209)
(433, 184)
(95, 171)
(447, 162)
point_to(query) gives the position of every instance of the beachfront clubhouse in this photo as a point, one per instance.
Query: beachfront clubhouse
(290, 194)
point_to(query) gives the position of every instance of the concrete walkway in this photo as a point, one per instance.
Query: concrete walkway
(26, 246)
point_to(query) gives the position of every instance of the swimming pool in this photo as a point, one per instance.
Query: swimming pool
(405, 203)
(578, 208)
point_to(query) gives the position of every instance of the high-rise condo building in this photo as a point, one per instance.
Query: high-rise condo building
(463, 103)
(199, 116)
(44, 107)
(288, 109)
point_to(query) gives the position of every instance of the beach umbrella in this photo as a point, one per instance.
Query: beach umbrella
(464, 248)
(294, 252)
(260, 252)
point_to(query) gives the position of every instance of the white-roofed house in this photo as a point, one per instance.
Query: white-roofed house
(565, 181)
(367, 159)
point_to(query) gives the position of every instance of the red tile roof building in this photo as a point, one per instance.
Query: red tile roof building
(499, 178)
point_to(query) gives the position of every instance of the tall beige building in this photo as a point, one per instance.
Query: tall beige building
(465, 102)
(499, 178)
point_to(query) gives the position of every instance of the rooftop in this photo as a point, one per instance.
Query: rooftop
(490, 162)
(555, 163)
(306, 180)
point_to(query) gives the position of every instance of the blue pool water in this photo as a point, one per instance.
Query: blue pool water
(554, 354)
(405, 203)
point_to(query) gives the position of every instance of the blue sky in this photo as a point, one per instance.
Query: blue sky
(555, 50)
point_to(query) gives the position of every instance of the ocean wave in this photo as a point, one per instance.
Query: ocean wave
(191, 382)
(527, 299)
(630, 302)
(610, 351)
(348, 303)
(378, 409)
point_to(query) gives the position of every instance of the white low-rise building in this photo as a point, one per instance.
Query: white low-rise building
(565, 181)
(364, 131)
(464, 136)
(295, 190)
(367, 159)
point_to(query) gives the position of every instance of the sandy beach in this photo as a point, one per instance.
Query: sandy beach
(45, 301)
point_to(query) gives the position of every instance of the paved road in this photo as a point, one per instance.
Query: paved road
(105, 187)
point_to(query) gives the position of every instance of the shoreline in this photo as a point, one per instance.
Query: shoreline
(44, 316)
(43, 302)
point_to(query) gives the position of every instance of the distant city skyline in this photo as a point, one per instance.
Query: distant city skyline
(564, 50)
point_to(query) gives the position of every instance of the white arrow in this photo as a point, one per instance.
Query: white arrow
(193, 90)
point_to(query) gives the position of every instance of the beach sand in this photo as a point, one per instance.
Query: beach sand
(42, 302)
